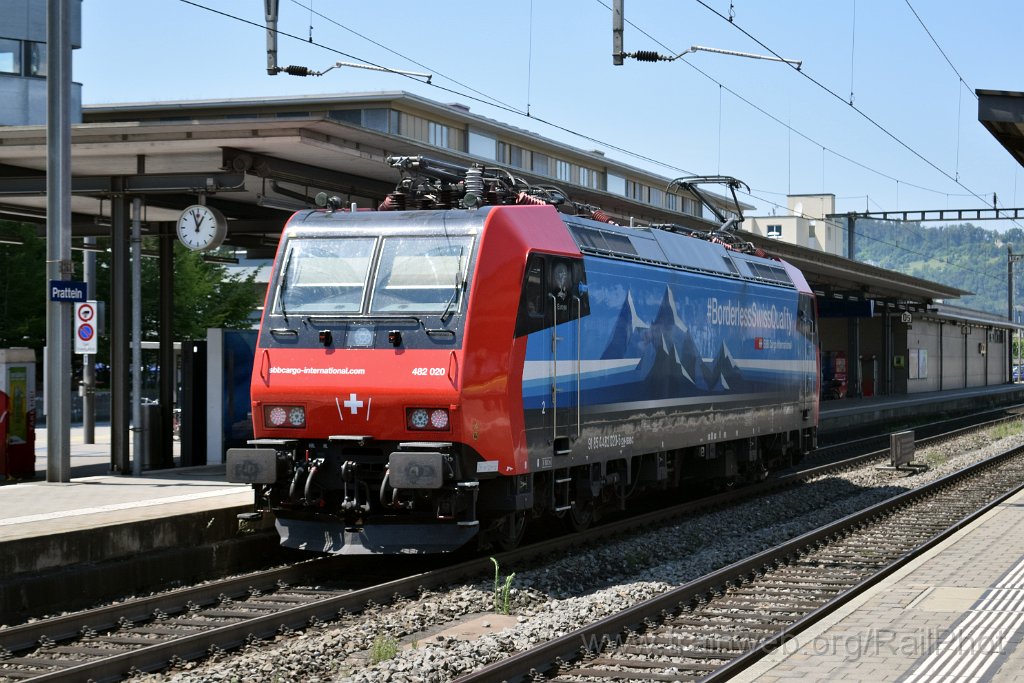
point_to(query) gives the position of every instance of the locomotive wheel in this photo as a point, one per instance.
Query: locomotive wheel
(580, 515)
(510, 530)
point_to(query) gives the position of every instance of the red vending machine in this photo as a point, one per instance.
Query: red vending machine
(17, 413)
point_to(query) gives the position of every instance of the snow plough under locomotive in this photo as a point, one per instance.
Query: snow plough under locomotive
(427, 377)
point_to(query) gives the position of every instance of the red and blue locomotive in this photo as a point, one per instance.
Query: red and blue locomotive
(474, 355)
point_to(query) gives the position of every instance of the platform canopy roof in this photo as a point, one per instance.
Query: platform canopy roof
(834, 276)
(1002, 113)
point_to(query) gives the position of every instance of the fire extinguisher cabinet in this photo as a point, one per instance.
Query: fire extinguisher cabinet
(17, 413)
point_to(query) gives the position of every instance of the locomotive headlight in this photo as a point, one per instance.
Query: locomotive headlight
(418, 418)
(284, 416)
(427, 419)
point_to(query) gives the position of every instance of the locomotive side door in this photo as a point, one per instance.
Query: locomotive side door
(553, 306)
(567, 305)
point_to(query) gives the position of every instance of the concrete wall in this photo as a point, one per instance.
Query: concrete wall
(26, 20)
(23, 101)
(977, 363)
(922, 337)
(961, 363)
(998, 349)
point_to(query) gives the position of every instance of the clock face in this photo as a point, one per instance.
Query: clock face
(201, 228)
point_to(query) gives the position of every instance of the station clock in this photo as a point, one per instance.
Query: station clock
(202, 228)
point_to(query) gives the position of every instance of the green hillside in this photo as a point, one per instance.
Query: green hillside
(963, 256)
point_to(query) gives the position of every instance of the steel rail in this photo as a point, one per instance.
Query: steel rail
(550, 656)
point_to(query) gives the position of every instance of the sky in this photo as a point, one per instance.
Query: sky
(910, 140)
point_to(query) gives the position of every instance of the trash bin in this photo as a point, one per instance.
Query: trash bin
(150, 426)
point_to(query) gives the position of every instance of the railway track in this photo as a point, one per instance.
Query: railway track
(146, 634)
(149, 633)
(713, 628)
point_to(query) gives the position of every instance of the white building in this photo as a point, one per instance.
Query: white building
(805, 225)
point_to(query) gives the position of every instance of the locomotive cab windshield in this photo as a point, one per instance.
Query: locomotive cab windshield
(390, 275)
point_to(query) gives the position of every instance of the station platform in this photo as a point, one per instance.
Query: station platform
(136, 532)
(953, 615)
(851, 414)
(95, 497)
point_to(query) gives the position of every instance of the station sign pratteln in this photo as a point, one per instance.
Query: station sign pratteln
(68, 290)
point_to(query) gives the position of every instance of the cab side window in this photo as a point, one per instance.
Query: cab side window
(553, 292)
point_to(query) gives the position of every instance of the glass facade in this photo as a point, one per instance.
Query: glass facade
(22, 57)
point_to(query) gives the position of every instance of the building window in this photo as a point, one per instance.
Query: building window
(376, 119)
(691, 206)
(540, 164)
(431, 132)
(672, 202)
(637, 191)
(588, 177)
(810, 230)
(562, 170)
(35, 59)
(437, 134)
(774, 232)
(657, 197)
(10, 56)
(353, 116)
(483, 146)
(616, 184)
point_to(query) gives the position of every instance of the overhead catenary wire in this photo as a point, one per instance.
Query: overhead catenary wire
(482, 98)
(862, 113)
(779, 121)
(939, 48)
(490, 101)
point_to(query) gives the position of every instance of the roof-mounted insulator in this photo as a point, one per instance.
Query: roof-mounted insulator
(648, 56)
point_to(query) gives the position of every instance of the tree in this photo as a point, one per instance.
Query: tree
(22, 287)
(204, 294)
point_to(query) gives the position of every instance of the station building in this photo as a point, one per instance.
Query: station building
(23, 61)
(257, 160)
(907, 338)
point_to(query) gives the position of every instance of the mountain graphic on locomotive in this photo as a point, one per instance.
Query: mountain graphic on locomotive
(478, 353)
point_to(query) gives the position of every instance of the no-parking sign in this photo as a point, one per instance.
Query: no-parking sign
(85, 327)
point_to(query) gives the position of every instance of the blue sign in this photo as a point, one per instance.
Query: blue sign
(68, 290)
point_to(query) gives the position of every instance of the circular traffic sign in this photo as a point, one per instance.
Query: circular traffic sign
(86, 312)
(86, 332)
